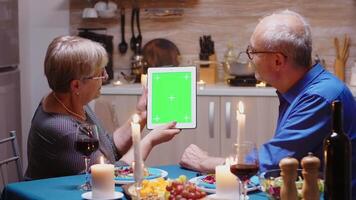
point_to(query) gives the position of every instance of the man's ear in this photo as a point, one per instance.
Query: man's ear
(280, 61)
(75, 86)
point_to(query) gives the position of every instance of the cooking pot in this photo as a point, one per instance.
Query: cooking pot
(239, 67)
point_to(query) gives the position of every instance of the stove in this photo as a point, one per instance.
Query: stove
(245, 81)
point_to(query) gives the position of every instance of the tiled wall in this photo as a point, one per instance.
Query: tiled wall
(227, 20)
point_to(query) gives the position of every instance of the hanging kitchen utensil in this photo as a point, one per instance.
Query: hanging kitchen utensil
(139, 37)
(342, 54)
(133, 38)
(123, 45)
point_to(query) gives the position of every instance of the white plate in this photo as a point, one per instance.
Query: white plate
(89, 195)
(195, 180)
(163, 175)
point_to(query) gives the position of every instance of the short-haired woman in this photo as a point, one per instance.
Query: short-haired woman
(74, 68)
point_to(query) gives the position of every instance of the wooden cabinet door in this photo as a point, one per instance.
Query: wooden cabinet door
(206, 135)
(261, 117)
(115, 110)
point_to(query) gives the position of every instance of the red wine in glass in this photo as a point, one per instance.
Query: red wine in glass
(247, 164)
(87, 146)
(244, 171)
(86, 142)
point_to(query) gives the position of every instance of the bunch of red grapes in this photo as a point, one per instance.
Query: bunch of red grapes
(184, 191)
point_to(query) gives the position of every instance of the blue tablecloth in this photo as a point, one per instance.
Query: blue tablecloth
(67, 187)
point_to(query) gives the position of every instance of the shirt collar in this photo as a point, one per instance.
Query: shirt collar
(293, 92)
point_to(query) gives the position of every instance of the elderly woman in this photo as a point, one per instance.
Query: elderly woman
(74, 68)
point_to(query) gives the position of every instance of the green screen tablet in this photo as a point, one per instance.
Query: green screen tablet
(171, 96)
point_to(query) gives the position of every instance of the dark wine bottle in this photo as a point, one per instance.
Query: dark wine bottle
(337, 158)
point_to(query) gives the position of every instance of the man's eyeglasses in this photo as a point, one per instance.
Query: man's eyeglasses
(250, 52)
(103, 76)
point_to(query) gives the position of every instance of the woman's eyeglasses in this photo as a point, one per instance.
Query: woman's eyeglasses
(250, 52)
(103, 76)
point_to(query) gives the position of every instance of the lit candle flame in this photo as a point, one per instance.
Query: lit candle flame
(117, 83)
(241, 107)
(135, 118)
(201, 82)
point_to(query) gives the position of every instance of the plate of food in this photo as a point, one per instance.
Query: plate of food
(165, 189)
(125, 175)
(207, 183)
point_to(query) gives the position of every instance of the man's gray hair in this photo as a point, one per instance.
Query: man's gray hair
(296, 44)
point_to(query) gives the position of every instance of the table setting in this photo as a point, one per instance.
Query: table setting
(237, 178)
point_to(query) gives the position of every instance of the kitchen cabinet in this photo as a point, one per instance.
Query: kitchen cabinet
(115, 110)
(216, 130)
(261, 117)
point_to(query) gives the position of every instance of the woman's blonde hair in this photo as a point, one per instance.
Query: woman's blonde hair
(72, 58)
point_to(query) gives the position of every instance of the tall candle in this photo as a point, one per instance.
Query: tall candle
(144, 80)
(241, 121)
(226, 182)
(103, 184)
(136, 140)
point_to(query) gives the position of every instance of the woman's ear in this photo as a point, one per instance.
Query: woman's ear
(75, 86)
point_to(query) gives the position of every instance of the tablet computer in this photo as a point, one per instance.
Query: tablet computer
(172, 96)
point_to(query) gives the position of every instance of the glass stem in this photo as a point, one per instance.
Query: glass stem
(244, 189)
(87, 160)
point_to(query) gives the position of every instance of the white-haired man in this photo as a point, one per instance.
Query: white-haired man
(280, 49)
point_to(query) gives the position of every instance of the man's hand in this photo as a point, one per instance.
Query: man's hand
(196, 159)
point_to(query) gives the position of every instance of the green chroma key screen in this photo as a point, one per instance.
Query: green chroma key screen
(171, 95)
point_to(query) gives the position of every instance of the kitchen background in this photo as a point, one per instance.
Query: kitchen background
(225, 20)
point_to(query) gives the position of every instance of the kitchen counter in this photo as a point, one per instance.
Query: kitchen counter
(207, 90)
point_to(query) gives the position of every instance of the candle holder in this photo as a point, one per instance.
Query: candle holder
(138, 188)
(138, 175)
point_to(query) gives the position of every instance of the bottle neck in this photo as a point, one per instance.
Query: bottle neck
(337, 117)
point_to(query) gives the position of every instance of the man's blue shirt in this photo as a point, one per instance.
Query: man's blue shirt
(305, 119)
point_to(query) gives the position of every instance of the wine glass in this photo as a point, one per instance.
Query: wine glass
(247, 164)
(86, 142)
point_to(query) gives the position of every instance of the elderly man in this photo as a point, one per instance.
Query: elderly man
(280, 49)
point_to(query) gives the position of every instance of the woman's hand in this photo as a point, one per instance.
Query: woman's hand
(162, 134)
(142, 108)
(196, 159)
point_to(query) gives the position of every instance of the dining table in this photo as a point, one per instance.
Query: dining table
(66, 187)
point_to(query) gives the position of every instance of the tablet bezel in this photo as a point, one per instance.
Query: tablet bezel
(193, 101)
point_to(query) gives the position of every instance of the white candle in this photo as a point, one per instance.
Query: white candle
(201, 84)
(136, 140)
(226, 182)
(103, 184)
(241, 121)
(117, 83)
(262, 84)
(144, 80)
